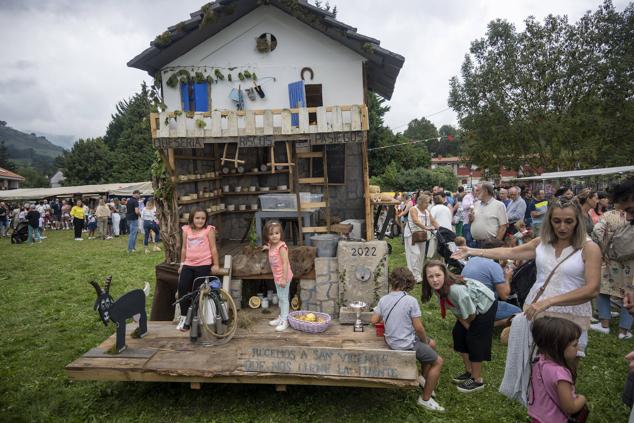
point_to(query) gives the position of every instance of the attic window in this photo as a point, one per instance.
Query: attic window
(266, 43)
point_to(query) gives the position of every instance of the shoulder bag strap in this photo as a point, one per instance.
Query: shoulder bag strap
(390, 312)
(550, 276)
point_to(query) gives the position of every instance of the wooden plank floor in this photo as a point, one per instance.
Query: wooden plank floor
(337, 357)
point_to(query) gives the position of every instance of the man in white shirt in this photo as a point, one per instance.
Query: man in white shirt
(441, 212)
(488, 219)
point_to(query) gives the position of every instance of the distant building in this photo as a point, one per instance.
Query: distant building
(9, 180)
(469, 174)
(57, 179)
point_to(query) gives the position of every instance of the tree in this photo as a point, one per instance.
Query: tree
(555, 96)
(32, 178)
(129, 139)
(88, 162)
(395, 147)
(5, 162)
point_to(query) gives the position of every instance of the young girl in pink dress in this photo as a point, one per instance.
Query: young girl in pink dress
(199, 257)
(281, 268)
(552, 396)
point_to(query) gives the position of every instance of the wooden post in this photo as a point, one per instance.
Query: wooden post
(369, 223)
(195, 385)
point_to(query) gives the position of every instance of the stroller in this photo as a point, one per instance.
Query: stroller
(20, 234)
(521, 283)
(446, 246)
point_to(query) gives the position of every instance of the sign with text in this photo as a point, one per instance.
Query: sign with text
(255, 141)
(336, 137)
(380, 364)
(165, 143)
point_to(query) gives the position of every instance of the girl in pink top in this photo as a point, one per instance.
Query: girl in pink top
(199, 257)
(281, 268)
(552, 395)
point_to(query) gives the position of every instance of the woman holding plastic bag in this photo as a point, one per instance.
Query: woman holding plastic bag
(568, 273)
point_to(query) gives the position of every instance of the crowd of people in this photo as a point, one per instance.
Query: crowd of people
(582, 248)
(103, 219)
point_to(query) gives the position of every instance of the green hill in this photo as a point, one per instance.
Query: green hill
(26, 147)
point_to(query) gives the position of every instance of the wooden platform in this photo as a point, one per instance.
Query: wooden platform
(337, 357)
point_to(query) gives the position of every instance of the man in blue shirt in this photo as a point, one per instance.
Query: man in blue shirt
(490, 273)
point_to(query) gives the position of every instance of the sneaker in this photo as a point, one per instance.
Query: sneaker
(594, 320)
(43, 237)
(615, 313)
(624, 336)
(470, 385)
(156, 249)
(430, 404)
(282, 326)
(181, 324)
(275, 321)
(78, 239)
(461, 378)
(599, 328)
(422, 381)
(108, 237)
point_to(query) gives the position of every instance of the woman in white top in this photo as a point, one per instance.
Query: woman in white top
(441, 212)
(148, 215)
(418, 219)
(574, 283)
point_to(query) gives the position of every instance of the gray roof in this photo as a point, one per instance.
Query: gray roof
(382, 66)
(579, 173)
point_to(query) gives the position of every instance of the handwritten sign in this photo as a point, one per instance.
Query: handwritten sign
(380, 364)
(256, 141)
(165, 143)
(336, 137)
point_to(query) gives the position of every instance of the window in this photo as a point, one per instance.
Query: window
(195, 97)
(313, 99)
(336, 162)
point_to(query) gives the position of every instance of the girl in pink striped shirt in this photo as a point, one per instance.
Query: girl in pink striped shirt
(281, 268)
(199, 257)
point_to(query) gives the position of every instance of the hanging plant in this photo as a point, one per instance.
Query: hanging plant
(247, 74)
(219, 75)
(184, 80)
(208, 16)
(241, 76)
(210, 79)
(199, 77)
(229, 77)
(162, 39)
(254, 77)
(172, 81)
(200, 123)
(177, 113)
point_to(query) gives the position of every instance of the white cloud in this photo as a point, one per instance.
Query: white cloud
(63, 63)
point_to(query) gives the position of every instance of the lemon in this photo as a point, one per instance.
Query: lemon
(310, 317)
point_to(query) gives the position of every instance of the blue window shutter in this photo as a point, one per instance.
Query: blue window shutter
(185, 97)
(201, 101)
(296, 98)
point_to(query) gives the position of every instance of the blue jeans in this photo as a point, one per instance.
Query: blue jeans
(133, 226)
(150, 225)
(34, 235)
(603, 304)
(506, 310)
(282, 294)
(466, 233)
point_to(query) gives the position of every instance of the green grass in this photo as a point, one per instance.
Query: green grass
(47, 321)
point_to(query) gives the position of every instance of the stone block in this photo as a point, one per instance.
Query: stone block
(363, 271)
(321, 293)
(347, 316)
(329, 307)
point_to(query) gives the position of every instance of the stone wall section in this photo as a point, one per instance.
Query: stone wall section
(321, 294)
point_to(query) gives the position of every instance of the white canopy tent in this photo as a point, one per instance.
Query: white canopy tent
(579, 173)
(118, 189)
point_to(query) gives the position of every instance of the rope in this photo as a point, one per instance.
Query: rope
(204, 294)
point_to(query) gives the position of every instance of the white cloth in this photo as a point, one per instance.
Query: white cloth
(442, 215)
(517, 371)
(148, 214)
(116, 220)
(415, 257)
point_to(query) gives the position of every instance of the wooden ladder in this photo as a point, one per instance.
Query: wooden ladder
(324, 204)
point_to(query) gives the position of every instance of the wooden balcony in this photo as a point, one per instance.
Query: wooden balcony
(343, 123)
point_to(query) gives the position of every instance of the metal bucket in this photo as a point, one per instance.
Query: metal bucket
(326, 244)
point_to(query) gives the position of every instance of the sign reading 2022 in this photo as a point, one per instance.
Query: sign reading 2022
(364, 252)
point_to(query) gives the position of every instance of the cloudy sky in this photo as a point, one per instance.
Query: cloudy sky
(63, 62)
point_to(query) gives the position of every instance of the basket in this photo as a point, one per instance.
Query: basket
(309, 327)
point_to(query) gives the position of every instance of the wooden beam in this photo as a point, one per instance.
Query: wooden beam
(310, 155)
(153, 121)
(312, 180)
(316, 205)
(369, 216)
(315, 229)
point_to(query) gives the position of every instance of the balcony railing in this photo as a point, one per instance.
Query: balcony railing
(274, 122)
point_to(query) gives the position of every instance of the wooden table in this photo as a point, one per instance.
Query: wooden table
(336, 357)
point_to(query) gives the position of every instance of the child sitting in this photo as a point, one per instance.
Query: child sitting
(552, 397)
(281, 268)
(405, 331)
